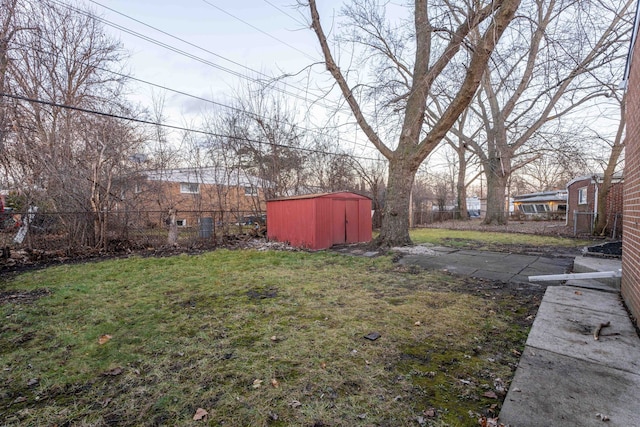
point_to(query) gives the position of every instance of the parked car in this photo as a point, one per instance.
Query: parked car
(253, 220)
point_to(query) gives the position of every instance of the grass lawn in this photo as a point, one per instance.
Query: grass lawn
(490, 240)
(255, 338)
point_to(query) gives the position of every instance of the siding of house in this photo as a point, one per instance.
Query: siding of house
(631, 225)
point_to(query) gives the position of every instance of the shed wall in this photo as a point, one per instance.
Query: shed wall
(320, 222)
(292, 222)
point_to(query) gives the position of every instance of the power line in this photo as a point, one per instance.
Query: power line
(305, 24)
(184, 53)
(189, 55)
(149, 122)
(159, 86)
(194, 57)
(259, 30)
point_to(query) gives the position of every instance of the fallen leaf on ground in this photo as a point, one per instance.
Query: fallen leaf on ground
(113, 372)
(200, 414)
(417, 323)
(20, 399)
(323, 365)
(295, 404)
(490, 394)
(489, 422)
(104, 339)
(603, 417)
(578, 293)
(431, 412)
(275, 383)
(274, 338)
(257, 383)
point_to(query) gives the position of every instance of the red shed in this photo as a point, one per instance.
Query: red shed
(319, 221)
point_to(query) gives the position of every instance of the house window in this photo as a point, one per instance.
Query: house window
(250, 191)
(181, 222)
(541, 208)
(137, 188)
(582, 196)
(189, 188)
(528, 209)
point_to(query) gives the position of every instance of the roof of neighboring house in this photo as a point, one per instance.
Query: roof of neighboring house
(543, 196)
(596, 178)
(207, 175)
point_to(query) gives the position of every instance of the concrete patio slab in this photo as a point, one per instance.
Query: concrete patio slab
(565, 377)
(569, 331)
(550, 389)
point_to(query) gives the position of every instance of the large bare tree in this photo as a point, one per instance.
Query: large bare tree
(407, 62)
(64, 156)
(542, 71)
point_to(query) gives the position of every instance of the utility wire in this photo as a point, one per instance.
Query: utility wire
(304, 24)
(189, 55)
(202, 132)
(179, 92)
(179, 51)
(184, 53)
(257, 29)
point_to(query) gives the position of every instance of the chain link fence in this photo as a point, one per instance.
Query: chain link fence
(70, 232)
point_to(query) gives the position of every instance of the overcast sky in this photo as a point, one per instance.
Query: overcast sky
(272, 40)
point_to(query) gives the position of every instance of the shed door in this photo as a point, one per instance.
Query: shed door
(344, 221)
(351, 221)
(338, 222)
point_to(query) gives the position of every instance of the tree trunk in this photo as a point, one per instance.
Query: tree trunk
(612, 162)
(173, 228)
(461, 188)
(496, 191)
(602, 221)
(395, 214)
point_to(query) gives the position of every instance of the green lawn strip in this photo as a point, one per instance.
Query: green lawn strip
(469, 238)
(255, 338)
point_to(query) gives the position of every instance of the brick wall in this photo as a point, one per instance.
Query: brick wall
(615, 206)
(631, 214)
(161, 196)
(584, 221)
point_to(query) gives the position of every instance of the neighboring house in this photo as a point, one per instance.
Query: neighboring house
(582, 203)
(197, 192)
(630, 286)
(545, 204)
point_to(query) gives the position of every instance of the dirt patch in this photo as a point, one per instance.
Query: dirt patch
(22, 297)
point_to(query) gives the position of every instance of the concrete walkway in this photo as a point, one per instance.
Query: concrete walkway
(502, 267)
(565, 377)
